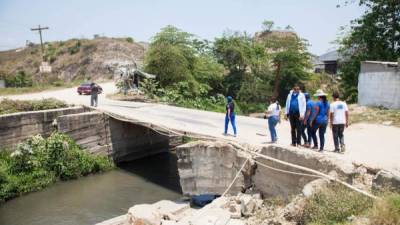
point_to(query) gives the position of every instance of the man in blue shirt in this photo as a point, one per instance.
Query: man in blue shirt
(295, 111)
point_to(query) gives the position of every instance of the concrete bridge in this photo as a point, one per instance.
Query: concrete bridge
(368, 144)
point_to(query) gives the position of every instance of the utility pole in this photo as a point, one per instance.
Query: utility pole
(39, 28)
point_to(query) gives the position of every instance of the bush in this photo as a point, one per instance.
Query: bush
(334, 205)
(20, 79)
(129, 39)
(75, 49)
(386, 211)
(38, 162)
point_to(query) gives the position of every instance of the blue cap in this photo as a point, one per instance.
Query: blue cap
(229, 98)
(307, 95)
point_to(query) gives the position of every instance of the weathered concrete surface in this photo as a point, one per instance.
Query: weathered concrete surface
(209, 168)
(90, 130)
(17, 127)
(131, 141)
(385, 180)
(276, 183)
(378, 84)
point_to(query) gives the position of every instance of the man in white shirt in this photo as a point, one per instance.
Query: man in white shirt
(339, 119)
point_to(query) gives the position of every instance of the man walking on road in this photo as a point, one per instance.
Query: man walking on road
(339, 117)
(295, 110)
(94, 91)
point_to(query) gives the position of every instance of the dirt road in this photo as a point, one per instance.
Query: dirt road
(373, 145)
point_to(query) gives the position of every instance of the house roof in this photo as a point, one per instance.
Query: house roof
(330, 56)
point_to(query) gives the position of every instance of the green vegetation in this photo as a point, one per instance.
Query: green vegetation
(19, 79)
(130, 40)
(374, 36)
(199, 74)
(38, 162)
(12, 106)
(336, 204)
(75, 48)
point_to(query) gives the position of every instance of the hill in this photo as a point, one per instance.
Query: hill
(75, 59)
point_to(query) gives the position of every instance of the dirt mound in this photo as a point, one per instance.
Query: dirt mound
(74, 59)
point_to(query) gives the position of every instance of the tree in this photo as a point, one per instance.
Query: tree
(184, 63)
(267, 25)
(290, 59)
(171, 56)
(373, 36)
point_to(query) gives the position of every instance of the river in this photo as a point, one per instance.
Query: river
(91, 199)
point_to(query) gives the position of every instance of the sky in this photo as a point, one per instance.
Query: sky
(318, 21)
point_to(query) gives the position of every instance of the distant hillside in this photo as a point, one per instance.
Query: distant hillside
(74, 59)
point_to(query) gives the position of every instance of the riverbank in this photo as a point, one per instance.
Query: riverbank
(38, 162)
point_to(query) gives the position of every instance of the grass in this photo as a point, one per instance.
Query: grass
(12, 106)
(360, 114)
(336, 204)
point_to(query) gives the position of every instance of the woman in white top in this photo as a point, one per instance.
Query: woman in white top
(273, 114)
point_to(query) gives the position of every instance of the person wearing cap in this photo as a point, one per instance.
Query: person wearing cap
(273, 114)
(320, 119)
(230, 115)
(307, 119)
(339, 119)
(294, 111)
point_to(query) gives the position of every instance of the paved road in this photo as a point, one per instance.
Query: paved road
(369, 144)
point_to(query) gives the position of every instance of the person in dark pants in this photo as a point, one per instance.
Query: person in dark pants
(320, 119)
(230, 115)
(94, 91)
(339, 119)
(294, 111)
(307, 120)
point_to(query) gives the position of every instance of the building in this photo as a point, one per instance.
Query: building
(379, 84)
(328, 62)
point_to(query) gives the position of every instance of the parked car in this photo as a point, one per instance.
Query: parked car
(86, 90)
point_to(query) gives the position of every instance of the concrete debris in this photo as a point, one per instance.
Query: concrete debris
(385, 180)
(314, 186)
(144, 214)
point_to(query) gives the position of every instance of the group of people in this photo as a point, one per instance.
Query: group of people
(306, 117)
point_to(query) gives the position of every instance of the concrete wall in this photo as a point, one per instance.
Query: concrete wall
(276, 183)
(379, 85)
(90, 130)
(209, 167)
(17, 127)
(131, 141)
(94, 131)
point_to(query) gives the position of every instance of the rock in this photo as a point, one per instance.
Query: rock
(249, 204)
(294, 210)
(153, 214)
(144, 214)
(386, 180)
(314, 186)
(170, 209)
